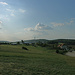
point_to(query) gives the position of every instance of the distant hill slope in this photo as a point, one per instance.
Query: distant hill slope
(4, 41)
(36, 40)
(66, 41)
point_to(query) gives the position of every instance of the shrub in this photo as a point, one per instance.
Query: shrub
(57, 51)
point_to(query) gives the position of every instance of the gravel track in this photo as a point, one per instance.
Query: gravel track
(71, 53)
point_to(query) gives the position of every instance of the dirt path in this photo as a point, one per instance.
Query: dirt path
(71, 53)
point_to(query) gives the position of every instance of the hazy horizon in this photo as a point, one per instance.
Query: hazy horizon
(42, 19)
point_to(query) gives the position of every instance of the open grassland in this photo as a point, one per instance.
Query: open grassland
(36, 61)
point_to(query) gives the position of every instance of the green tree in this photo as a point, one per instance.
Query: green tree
(18, 43)
(22, 41)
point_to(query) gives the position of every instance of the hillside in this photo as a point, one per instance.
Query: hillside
(66, 41)
(36, 40)
(36, 61)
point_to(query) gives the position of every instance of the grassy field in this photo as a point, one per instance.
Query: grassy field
(36, 61)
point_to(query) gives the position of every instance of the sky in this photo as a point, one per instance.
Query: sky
(39, 19)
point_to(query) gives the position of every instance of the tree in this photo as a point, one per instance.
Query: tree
(18, 43)
(57, 51)
(22, 41)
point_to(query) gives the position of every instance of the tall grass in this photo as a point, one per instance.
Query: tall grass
(36, 61)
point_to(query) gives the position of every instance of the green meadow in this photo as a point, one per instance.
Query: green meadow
(36, 61)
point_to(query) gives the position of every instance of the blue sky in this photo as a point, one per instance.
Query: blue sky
(43, 19)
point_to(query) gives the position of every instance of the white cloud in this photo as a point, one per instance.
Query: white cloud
(4, 17)
(71, 21)
(11, 12)
(22, 10)
(57, 24)
(39, 27)
(0, 24)
(29, 29)
(3, 3)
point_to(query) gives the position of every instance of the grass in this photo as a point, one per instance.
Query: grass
(36, 61)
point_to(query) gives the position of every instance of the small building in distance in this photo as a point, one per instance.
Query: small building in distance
(13, 43)
(63, 46)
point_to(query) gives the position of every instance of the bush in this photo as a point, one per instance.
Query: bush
(61, 51)
(57, 51)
